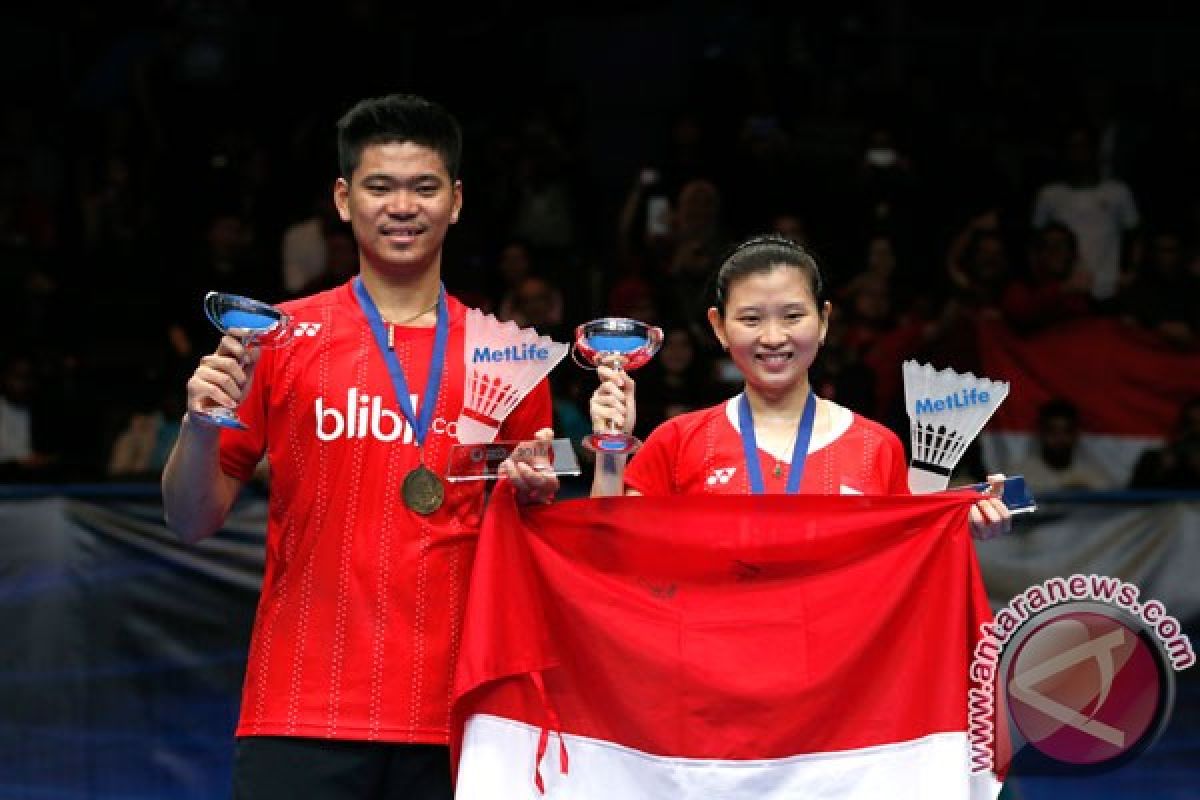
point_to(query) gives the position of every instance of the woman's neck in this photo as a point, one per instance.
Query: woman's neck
(404, 296)
(783, 406)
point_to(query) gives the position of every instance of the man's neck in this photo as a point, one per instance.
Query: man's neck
(403, 296)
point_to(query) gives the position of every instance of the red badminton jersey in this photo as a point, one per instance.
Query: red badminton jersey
(701, 453)
(358, 624)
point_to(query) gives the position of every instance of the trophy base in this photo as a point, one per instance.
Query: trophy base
(481, 462)
(222, 418)
(613, 444)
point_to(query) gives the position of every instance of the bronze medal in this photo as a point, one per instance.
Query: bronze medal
(423, 491)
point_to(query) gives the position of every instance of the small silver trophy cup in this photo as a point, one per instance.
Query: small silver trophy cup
(623, 344)
(255, 324)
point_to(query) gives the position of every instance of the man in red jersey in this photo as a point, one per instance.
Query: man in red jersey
(348, 685)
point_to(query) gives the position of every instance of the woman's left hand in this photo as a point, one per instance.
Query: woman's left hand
(989, 517)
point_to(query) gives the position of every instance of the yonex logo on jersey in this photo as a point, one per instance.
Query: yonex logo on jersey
(306, 329)
(721, 476)
(364, 416)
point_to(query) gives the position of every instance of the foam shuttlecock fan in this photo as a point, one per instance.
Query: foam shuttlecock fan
(946, 411)
(504, 362)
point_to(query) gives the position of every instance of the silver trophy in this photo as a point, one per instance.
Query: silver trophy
(623, 344)
(254, 324)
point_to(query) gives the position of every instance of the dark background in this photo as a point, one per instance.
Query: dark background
(153, 151)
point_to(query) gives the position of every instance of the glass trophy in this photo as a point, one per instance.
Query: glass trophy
(481, 462)
(624, 344)
(1013, 491)
(254, 324)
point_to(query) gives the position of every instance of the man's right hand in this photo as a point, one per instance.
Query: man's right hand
(222, 379)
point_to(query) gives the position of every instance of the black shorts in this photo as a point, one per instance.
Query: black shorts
(283, 768)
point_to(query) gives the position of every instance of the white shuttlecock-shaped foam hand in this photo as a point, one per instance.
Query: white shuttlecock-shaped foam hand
(946, 411)
(503, 364)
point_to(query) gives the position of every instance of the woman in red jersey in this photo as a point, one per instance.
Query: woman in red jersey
(777, 436)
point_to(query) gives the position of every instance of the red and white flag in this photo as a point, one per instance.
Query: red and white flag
(1129, 388)
(721, 647)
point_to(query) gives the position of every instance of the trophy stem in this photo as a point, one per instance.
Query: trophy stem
(614, 441)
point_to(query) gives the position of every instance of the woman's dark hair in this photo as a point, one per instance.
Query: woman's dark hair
(764, 253)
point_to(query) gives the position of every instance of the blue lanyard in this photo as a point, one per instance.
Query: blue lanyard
(799, 450)
(420, 426)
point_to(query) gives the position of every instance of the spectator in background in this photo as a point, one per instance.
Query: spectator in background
(764, 172)
(1176, 465)
(697, 214)
(304, 248)
(341, 261)
(1163, 294)
(20, 457)
(880, 269)
(1101, 212)
(981, 233)
(694, 218)
(634, 298)
(790, 226)
(1057, 288)
(141, 449)
(868, 313)
(1057, 463)
(544, 212)
(887, 184)
(839, 374)
(537, 303)
(881, 257)
(674, 382)
(979, 274)
(26, 220)
(113, 209)
(513, 265)
(227, 260)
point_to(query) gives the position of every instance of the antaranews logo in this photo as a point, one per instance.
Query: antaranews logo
(1079, 670)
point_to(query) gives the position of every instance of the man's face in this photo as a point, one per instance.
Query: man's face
(534, 302)
(399, 202)
(1081, 151)
(1056, 253)
(1059, 436)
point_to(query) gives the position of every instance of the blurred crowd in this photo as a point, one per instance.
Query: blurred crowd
(189, 147)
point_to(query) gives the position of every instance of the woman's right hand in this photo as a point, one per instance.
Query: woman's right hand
(613, 407)
(222, 379)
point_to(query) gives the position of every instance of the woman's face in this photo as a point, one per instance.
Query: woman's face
(772, 327)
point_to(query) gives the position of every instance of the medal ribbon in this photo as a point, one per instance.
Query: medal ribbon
(420, 425)
(799, 449)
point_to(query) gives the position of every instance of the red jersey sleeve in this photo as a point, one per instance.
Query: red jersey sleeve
(532, 414)
(651, 469)
(893, 464)
(242, 450)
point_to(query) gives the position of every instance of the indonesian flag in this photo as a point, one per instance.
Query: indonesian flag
(721, 647)
(1128, 386)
